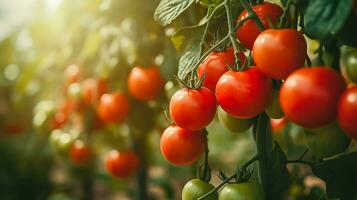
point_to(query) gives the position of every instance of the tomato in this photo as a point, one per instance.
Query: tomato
(326, 141)
(215, 65)
(63, 113)
(244, 94)
(349, 61)
(180, 146)
(145, 83)
(347, 112)
(196, 188)
(72, 73)
(93, 89)
(122, 164)
(80, 153)
(242, 191)
(193, 109)
(278, 52)
(274, 109)
(232, 123)
(309, 96)
(277, 125)
(113, 108)
(249, 31)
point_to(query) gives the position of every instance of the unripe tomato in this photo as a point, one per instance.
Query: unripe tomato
(244, 94)
(274, 109)
(268, 13)
(145, 84)
(234, 124)
(277, 125)
(347, 112)
(193, 109)
(122, 164)
(326, 141)
(114, 107)
(309, 96)
(72, 73)
(215, 65)
(80, 153)
(242, 191)
(349, 61)
(278, 52)
(93, 89)
(180, 146)
(196, 188)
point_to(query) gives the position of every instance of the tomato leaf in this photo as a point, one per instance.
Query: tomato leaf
(183, 37)
(326, 17)
(189, 59)
(340, 175)
(168, 10)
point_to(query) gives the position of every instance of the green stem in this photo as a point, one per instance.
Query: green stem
(253, 15)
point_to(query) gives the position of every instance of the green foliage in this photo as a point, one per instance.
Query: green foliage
(168, 10)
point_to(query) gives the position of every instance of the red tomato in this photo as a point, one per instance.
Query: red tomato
(278, 52)
(277, 125)
(309, 96)
(80, 153)
(244, 94)
(72, 73)
(180, 146)
(215, 65)
(93, 89)
(64, 111)
(113, 108)
(145, 83)
(249, 31)
(193, 109)
(122, 164)
(347, 112)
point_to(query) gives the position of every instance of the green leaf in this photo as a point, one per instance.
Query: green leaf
(189, 59)
(324, 18)
(168, 10)
(183, 37)
(340, 175)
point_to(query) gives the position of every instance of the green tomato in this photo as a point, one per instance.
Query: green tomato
(232, 123)
(349, 61)
(196, 188)
(274, 109)
(242, 191)
(326, 141)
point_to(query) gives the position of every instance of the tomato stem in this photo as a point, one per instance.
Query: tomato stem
(252, 14)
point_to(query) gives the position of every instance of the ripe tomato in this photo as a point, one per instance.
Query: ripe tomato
(278, 52)
(326, 141)
(244, 191)
(193, 109)
(196, 188)
(244, 94)
(180, 146)
(80, 153)
(145, 83)
(274, 109)
(347, 112)
(309, 96)
(232, 123)
(277, 125)
(215, 65)
(249, 31)
(93, 89)
(72, 73)
(122, 164)
(349, 61)
(113, 108)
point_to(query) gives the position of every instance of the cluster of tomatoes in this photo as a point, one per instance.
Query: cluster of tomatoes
(278, 84)
(143, 84)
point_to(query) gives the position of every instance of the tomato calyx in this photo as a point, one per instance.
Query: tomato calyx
(193, 83)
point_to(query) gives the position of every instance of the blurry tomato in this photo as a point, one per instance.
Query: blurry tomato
(122, 164)
(93, 89)
(277, 125)
(114, 107)
(80, 153)
(72, 73)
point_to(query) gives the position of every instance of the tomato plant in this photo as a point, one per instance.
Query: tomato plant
(309, 96)
(113, 107)
(244, 94)
(196, 188)
(122, 164)
(347, 112)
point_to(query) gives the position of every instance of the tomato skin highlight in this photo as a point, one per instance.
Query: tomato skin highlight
(122, 164)
(309, 96)
(113, 108)
(196, 188)
(145, 84)
(193, 109)
(278, 52)
(242, 191)
(232, 123)
(80, 153)
(244, 94)
(249, 31)
(180, 146)
(347, 112)
(215, 65)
